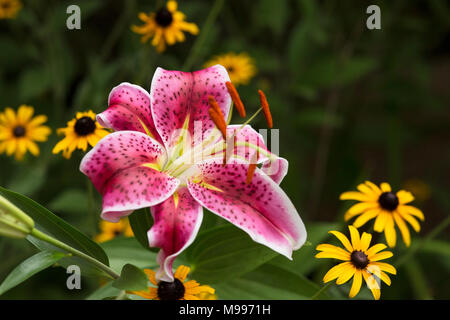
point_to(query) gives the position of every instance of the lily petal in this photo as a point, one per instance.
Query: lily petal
(175, 95)
(177, 221)
(122, 166)
(129, 109)
(260, 208)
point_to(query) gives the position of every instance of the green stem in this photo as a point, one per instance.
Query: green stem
(212, 16)
(441, 227)
(321, 290)
(44, 237)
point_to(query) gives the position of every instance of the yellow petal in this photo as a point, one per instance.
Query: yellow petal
(368, 215)
(354, 195)
(411, 220)
(389, 232)
(354, 234)
(356, 285)
(372, 284)
(151, 276)
(385, 267)
(375, 249)
(380, 222)
(343, 239)
(403, 229)
(24, 114)
(404, 197)
(385, 187)
(374, 187)
(359, 208)
(346, 275)
(381, 256)
(365, 241)
(336, 271)
(182, 272)
(412, 210)
(333, 255)
(34, 149)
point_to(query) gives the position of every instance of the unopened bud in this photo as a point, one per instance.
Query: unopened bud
(14, 223)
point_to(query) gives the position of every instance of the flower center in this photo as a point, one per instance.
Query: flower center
(359, 259)
(19, 131)
(164, 17)
(171, 290)
(388, 201)
(85, 126)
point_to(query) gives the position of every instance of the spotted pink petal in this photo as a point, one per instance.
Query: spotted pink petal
(260, 208)
(129, 109)
(177, 221)
(175, 95)
(276, 169)
(115, 167)
(135, 188)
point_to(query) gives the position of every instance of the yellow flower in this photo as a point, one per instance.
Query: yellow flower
(240, 67)
(110, 230)
(387, 207)
(360, 261)
(166, 26)
(9, 8)
(18, 131)
(80, 131)
(179, 289)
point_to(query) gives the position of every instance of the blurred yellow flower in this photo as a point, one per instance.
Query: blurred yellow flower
(18, 131)
(387, 207)
(179, 289)
(419, 188)
(110, 230)
(80, 131)
(166, 26)
(240, 67)
(9, 8)
(360, 261)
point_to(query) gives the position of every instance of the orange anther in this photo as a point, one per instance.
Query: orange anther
(213, 103)
(250, 172)
(265, 108)
(236, 99)
(219, 121)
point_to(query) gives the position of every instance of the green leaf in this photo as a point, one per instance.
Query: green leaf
(30, 267)
(71, 201)
(131, 278)
(55, 226)
(127, 250)
(141, 221)
(303, 260)
(269, 282)
(103, 292)
(225, 252)
(272, 14)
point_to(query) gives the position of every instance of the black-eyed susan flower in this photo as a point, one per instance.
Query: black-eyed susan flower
(179, 289)
(110, 230)
(389, 209)
(80, 132)
(240, 66)
(19, 131)
(360, 261)
(9, 8)
(166, 26)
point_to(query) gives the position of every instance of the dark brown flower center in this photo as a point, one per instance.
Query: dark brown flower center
(163, 17)
(171, 290)
(388, 201)
(19, 131)
(85, 126)
(359, 259)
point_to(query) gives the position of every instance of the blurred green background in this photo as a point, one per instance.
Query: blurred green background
(351, 104)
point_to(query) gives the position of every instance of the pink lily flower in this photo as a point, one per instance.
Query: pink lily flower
(167, 154)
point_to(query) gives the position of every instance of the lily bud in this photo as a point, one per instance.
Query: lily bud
(14, 223)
